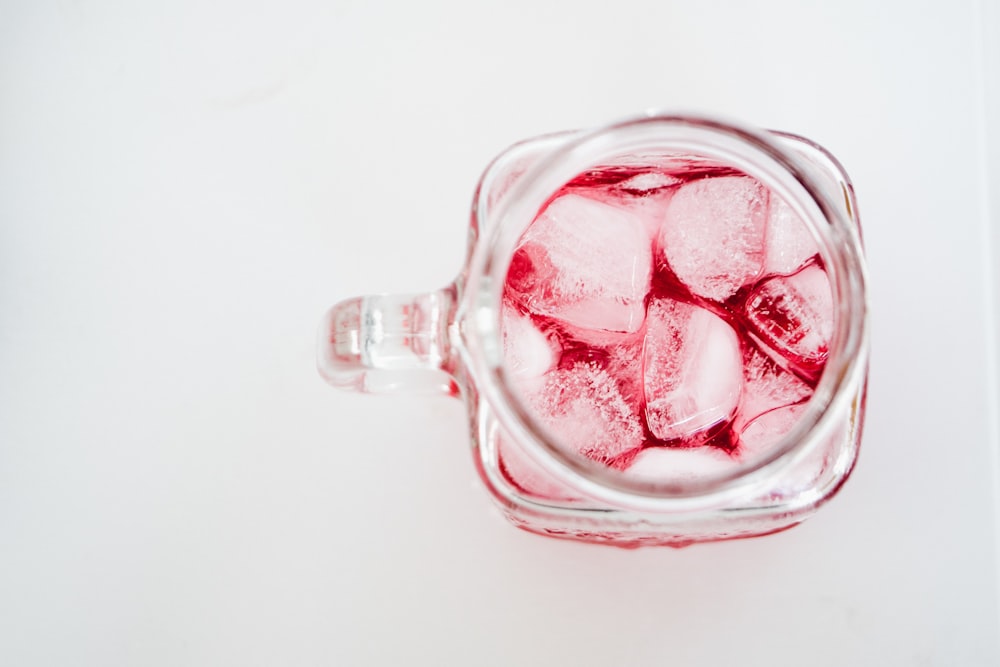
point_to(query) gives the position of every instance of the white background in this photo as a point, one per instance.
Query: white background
(186, 186)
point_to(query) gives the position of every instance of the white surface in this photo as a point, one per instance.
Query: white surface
(185, 187)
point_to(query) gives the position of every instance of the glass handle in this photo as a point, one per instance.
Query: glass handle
(390, 343)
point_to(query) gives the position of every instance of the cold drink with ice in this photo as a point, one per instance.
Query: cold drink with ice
(666, 323)
(660, 332)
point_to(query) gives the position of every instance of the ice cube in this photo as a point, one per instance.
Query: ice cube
(794, 316)
(766, 387)
(586, 414)
(692, 369)
(713, 234)
(671, 464)
(648, 205)
(789, 242)
(584, 262)
(528, 352)
(648, 181)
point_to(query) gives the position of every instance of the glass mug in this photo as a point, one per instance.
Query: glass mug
(578, 451)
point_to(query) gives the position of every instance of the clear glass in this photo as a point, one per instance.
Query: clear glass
(451, 341)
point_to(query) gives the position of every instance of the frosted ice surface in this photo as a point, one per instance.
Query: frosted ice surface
(713, 234)
(586, 263)
(794, 315)
(587, 414)
(692, 367)
(789, 241)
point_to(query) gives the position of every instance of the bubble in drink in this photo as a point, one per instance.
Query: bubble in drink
(670, 324)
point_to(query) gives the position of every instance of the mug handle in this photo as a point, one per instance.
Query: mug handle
(390, 343)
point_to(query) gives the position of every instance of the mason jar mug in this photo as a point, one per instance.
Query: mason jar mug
(660, 332)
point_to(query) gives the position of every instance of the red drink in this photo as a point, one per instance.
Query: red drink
(669, 324)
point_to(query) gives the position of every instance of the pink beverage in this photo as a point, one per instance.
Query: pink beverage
(654, 348)
(669, 324)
